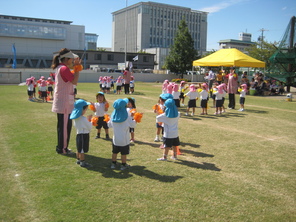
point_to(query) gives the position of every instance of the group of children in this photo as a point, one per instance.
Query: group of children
(202, 92)
(45, 88)
(123, 121)
(108, 84)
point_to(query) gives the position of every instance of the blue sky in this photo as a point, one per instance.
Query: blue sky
(226, 18)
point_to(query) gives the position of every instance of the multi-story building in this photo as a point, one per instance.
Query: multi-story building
(35, 39)
(241, 44)
(147, 25)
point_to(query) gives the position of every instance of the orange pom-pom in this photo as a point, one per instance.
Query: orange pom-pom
(107, 105)
(78, 68)
(155, 107)
(106, 118)
(138, 117)
(133, 111)
(94, 120)
(92, 107)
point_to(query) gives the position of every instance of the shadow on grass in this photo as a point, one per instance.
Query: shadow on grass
(256, 111)
(102, 165)
(156, 145)
(203, 166)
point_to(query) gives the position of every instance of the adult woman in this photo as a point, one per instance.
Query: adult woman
(232, 87)
(63, 102)
(126, 80)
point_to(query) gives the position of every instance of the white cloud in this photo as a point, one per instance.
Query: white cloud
(222, 5)
(284, 8)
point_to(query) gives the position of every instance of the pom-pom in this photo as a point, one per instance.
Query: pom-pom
(92, 107)
(239, 90)
(106, 118)
(199, 90)
(133, 111)
(138, 117)
(78, 68)
(155, 107)
(94, 120)
(106, 105)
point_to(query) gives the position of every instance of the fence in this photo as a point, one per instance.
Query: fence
(16, 76)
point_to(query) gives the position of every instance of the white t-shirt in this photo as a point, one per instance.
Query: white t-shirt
(204, 94)
(121, 134)
(82, 125)
(219, 96)
(176, 95)
(242, 93)
(170, 125)
(192, 95)
(100, 109)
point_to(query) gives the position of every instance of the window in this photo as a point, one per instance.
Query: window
(110, 57)
(145, 58)
(98, 56)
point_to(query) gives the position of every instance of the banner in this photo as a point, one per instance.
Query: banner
(14, 56)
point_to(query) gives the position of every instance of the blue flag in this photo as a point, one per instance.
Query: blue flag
(14, 56)
(84, 59)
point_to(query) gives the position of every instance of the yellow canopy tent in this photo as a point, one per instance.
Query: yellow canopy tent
(229, 57)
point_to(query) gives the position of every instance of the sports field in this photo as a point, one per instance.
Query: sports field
(239, 166)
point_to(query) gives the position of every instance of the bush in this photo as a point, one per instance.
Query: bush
(179, 80)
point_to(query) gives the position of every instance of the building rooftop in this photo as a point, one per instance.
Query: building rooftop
(31, 19)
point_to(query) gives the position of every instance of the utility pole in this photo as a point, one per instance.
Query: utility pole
(262, 37)
(125, 34)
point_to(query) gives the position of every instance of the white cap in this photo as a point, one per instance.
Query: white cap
(70, 55)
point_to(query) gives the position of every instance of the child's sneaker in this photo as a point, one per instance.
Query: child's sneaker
(192, 114)
(113, 165)
(123, 167)
(162, 159)
(186, 114)
(156, 139)
(84, 164)
(97, 137)
(78, 162)
(107, 137)
(174, 158)
(132, 141)
(161, 139)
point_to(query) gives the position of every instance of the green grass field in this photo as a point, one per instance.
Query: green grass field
(236, 167)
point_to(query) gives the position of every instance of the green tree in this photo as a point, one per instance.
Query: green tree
(262, 51)
(182, 52)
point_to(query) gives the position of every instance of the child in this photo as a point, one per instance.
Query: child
(131, 109)
(204, 99)
(43, 89)
(242, 97)
(176, 94)
(108, 84)
(165, 85)
(121, 123)
(101, 108)
(218, 98)
(75, 91)
(213, 91)
(50, 86)
(118, 85)
(83, 127)
(193, 96)
(182, 90)
(224, 88)
(170, 120)
(30, 84)
(101, 83)
(132, 85)
(159, 109)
